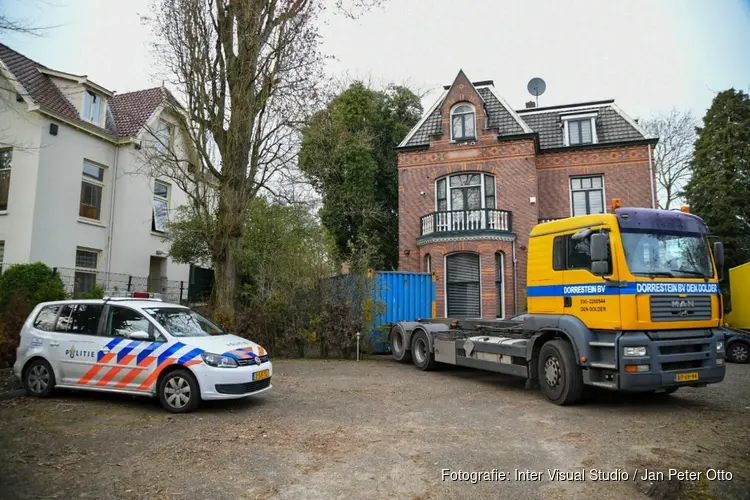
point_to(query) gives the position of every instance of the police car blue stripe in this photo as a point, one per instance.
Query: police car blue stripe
(173, 349)
(112, 343)
(638, 288)
(190, 355)
(146, 351)
(126, 350)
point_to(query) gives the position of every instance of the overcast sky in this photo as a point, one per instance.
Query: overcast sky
(649, 55)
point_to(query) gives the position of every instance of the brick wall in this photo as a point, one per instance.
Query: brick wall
(625, 171)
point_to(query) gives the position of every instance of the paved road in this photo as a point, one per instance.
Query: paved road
(373, 429)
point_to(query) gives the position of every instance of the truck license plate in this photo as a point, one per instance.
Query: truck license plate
(267, 373)
(686, 377)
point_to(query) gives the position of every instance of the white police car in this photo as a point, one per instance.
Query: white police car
(134, 343)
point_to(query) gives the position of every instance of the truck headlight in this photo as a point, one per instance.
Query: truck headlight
(719, 345)
(218, 360)
(634, 352)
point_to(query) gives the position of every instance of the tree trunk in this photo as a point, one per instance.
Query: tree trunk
(227, 254)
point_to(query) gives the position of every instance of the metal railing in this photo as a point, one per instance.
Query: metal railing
(482, 219)
(80, 283)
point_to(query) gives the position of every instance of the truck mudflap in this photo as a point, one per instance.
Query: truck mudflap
(675, 362)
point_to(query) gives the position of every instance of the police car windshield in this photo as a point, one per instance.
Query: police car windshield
(183, 322)
(668, 254)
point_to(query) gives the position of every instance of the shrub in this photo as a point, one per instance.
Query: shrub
(22, 287)
(95, 293)
(35, 281)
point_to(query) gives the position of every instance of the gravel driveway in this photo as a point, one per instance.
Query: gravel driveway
(374, 429)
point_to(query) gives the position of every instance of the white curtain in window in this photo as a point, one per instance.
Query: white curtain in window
(161, 215)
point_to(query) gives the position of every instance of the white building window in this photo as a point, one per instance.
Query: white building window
(465, 192)
(587, 195)
(2, 252)
(463, 122)
(580, 129)
(87, 263)
(160, 214)
(163, 137)
(92, 105)
(6, 158)
(92, 186)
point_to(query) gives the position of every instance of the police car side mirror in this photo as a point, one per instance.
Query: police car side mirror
(139, 335)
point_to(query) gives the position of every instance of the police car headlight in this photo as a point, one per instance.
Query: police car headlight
(219, 361)
(634, 351)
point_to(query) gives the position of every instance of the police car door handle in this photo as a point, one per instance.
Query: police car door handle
(54, 344)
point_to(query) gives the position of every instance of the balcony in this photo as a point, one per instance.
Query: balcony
(467, 221)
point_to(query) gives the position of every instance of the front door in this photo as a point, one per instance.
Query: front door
(125, 363)
(76, 330)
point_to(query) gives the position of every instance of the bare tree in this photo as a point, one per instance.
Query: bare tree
(10, 24)
(248, 73)
(676, 131)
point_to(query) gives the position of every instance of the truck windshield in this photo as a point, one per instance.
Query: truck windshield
(183, 322)
(670, 254)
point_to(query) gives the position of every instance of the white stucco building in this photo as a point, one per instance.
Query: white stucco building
(74, 192)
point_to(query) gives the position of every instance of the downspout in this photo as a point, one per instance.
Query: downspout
(515, 279)
(651, 177)
(112, 214)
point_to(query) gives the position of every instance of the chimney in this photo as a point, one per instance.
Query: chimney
(530, 104)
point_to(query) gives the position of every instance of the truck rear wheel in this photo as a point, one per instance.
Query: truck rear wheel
(420, 351)
(398, 345)
(559, 375)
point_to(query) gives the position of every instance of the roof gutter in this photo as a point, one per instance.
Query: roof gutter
(601, 145)
(91, 130)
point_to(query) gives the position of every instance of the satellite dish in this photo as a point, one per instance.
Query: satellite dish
(536, 88)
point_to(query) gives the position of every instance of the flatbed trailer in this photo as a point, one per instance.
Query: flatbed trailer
(558, 359)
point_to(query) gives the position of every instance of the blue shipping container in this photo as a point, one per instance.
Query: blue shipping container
(400, 297)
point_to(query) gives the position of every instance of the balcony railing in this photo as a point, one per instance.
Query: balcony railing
(484, 219)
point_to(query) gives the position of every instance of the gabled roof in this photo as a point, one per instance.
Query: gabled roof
(126, 114)
(612, 124)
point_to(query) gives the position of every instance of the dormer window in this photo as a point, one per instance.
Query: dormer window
(92, 107)
(463, 121)
(580, 129)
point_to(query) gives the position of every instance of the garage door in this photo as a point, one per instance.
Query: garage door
(462, 285)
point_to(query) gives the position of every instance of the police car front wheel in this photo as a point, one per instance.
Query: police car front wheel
(179, 392)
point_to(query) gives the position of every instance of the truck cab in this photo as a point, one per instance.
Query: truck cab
(641, 289)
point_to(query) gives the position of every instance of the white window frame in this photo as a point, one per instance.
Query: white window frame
(9, 170)
(474, 115)
(570, 190)
(165, 199)
(86, 270)
(89, 94)
(428, 263)
(449, 201)
(502, 283)
(162, 148)
(94, 182)
(445, 282)
(578, 117)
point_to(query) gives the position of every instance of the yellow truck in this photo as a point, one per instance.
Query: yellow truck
(628, 301)
(738, 319)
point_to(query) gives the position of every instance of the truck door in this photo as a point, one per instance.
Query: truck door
(586, 296)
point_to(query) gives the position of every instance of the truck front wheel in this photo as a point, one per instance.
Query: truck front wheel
(559, 375)
(420, 351)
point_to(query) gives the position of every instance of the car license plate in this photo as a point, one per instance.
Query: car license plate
(686, 377)
(267, 373)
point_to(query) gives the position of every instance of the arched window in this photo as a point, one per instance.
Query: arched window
(463, 122)
(462, 287)
(465, 192)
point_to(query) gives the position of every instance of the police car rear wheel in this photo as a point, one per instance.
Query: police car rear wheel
(39, 379)
(178, 391)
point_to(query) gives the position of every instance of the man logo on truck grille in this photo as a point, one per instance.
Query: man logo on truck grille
(681, 304)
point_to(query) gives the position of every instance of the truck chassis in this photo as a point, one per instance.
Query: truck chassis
(562, 355)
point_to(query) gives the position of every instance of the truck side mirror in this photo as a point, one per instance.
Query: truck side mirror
(600, 268)
(598, 248)
(719, 258)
